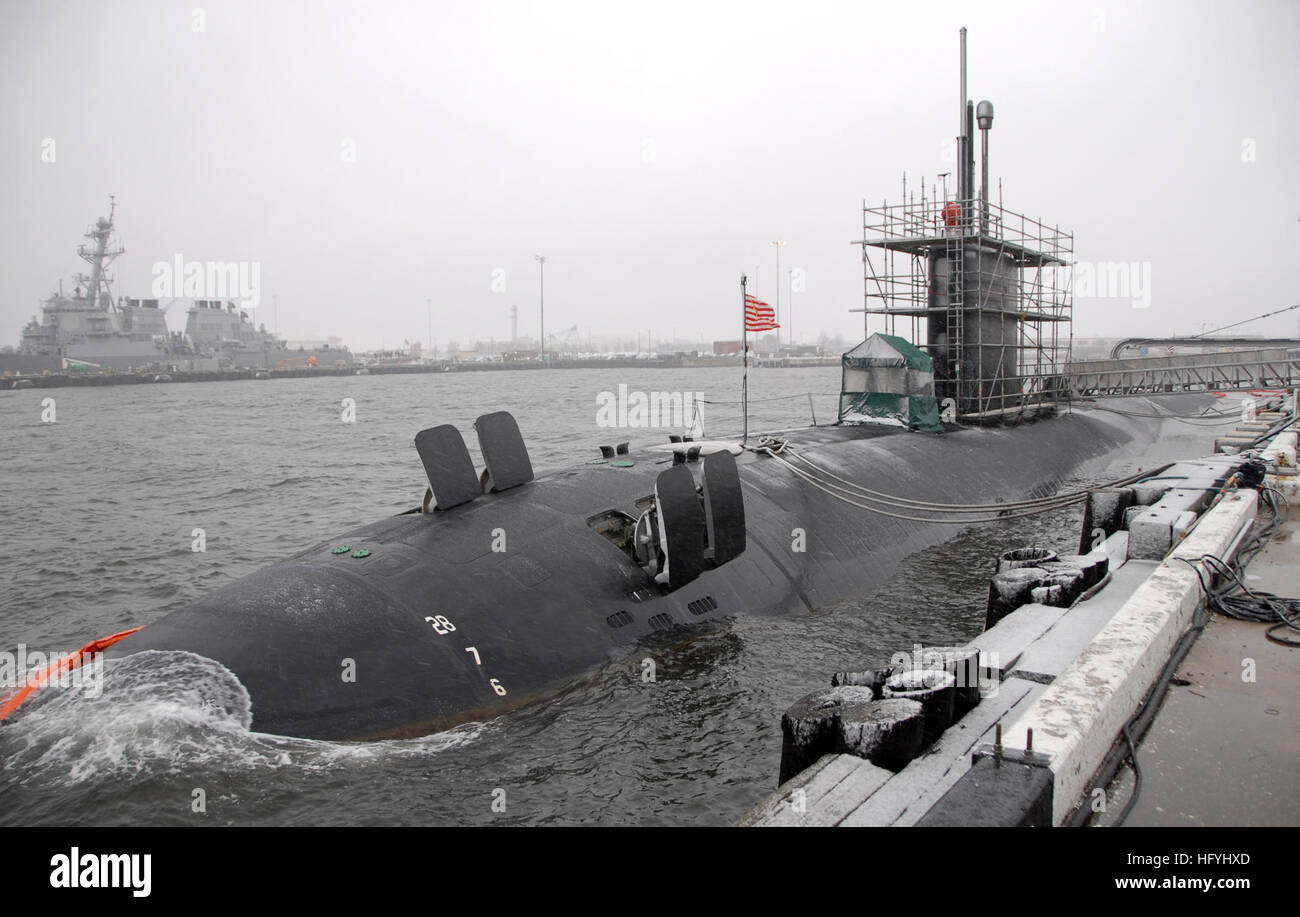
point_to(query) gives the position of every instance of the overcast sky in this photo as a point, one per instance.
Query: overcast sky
(650, 151)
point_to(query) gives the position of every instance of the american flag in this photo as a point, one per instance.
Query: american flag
(759, 316)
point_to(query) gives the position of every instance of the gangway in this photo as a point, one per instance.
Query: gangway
(1238, 370)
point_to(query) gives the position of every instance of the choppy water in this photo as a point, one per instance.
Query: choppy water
(99, 510)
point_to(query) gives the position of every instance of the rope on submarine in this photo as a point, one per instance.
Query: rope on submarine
(778, 449)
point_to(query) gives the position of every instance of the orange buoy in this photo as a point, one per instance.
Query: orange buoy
(92, 648)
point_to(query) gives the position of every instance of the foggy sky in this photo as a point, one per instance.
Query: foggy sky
(650, 151)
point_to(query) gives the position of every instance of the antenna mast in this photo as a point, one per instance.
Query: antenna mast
(99, 256)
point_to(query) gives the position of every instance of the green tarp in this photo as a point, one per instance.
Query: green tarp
(888, 350)
(886, 379)
(916, 412)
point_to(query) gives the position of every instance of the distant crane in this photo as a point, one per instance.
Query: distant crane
(568, 340)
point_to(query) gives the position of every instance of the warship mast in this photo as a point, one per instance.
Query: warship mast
(99, 256)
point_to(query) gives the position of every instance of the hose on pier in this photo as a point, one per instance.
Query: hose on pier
(1275, 429)
(1234, 599)
(1252, 606)
(1261, 607)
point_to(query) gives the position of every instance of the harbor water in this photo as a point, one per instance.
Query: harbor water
(103, 509)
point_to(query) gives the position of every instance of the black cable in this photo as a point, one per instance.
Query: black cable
(1136, 728)
(1137, 776)
(1206, 420)
(1273, 430)
(1205, 334)
(954, 517)
(774, 398)
(1258, 607)
(1233, 598)
(1138, 724)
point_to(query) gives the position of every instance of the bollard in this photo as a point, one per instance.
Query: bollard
(1009, 590)
(1104, 510)
(1024, 557)
(810, 728)
(963, 664)
(889, 733)
(937, 692)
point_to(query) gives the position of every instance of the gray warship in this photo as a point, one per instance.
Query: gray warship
(93, 331)
(90, 330)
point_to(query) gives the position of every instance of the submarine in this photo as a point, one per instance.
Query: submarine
(417, 624)
(506, 585)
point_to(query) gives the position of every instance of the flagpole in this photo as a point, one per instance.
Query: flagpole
(744, 349)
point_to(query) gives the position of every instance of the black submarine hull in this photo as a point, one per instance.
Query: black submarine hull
(461, 615)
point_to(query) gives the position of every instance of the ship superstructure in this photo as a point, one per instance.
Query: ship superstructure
(93, 331)
(225, 331)
(90, 327)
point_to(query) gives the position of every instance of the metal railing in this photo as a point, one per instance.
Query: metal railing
(1239, 370)
(931, 219)
(955, 275)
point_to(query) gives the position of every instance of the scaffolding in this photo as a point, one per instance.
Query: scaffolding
(985, 291)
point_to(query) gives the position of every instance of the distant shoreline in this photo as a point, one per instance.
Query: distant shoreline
(155, 377)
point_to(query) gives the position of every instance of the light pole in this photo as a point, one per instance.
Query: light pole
(541, 299)
(789, 310)
(430, 339)
(778, 243)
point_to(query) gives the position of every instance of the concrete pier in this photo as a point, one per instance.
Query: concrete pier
(1060, 685)
(1077, 719)
(1224, 750)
